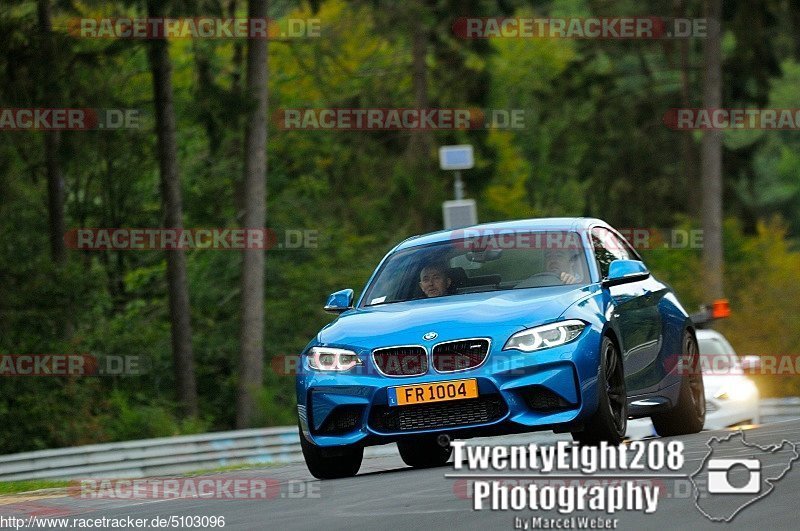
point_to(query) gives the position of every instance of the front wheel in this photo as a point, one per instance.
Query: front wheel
(610, 421)
(423, 452)
(331, 463)
(689, 414)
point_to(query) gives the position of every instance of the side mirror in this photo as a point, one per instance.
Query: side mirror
(340, 301)
(624, 271)
(750, 364)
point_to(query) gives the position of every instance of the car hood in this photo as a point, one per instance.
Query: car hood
(488, 314)
(715, 383)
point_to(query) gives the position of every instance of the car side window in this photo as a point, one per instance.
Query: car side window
(607, 248)
(604, 256)
(622, 243)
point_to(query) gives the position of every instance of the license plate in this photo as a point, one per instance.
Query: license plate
(433, 392)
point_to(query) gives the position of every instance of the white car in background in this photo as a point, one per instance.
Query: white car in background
(731, 397)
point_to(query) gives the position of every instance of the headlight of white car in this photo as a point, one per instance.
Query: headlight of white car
(332, 359)
(742, 390)
(545, 336)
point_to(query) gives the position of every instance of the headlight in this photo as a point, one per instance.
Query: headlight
(542, 337)
(332, 359)
(743, 390)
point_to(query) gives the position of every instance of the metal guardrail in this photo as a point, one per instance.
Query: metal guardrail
(778, 409)
(151, 457)
(187, 453)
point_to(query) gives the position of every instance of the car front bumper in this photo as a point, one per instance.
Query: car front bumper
(552, 389)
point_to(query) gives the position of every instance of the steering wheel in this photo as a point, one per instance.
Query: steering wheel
(545, 274)
(541, 280)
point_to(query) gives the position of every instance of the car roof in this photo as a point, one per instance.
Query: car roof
(534, 224)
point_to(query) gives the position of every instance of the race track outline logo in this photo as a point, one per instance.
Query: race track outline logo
(719, 486)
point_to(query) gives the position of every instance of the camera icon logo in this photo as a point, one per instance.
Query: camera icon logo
(718, 476)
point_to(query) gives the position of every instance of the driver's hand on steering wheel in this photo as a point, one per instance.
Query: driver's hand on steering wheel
(567, 278)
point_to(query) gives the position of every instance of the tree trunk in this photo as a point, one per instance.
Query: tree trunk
(795, 17)
(52, 141)
(420, 141)
(712, 156)
(234, 150)
(179, 310)
(51, 144)
(688, 165)
(55, 197)
(251, 358)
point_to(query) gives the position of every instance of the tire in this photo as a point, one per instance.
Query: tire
(689, 414)
(423, 452)
(610, 421)
(331, 463)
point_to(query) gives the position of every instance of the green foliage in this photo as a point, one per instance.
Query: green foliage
(764, 280)
(138, 417)
(14, 487)
(593, 144)
(677, 265)
(774, 183)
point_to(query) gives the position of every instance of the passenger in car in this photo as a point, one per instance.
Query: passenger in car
(434, 280)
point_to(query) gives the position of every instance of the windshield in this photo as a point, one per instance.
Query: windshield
(479, 264)
(714, 354)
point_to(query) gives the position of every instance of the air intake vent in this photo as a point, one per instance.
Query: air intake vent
(487, 408)
(540, 398)
(460, 355)
(401, 361)
(341, 420)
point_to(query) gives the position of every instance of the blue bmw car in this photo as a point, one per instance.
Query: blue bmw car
(543, 324)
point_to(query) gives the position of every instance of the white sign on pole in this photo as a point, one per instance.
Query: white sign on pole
(459, 214)
(456, 157)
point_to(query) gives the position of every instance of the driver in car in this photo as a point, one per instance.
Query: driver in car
(561, 263)
(434, 280)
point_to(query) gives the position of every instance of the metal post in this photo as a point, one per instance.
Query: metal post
(458, 186)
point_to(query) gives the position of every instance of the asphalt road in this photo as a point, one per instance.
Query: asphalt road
(388, 495)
